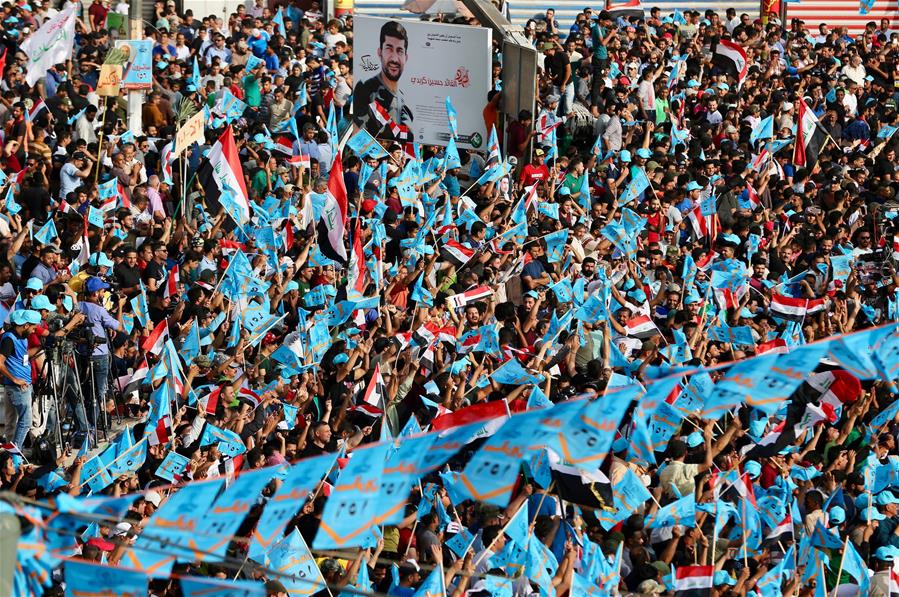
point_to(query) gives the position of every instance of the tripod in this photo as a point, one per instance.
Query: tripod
(63, 382)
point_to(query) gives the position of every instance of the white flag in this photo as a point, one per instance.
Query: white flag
(51, 44)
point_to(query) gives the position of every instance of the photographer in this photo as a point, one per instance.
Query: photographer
(45, 337)
(98, 321)
(16, 370)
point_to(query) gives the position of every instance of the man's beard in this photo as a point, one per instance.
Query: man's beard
(388, 75)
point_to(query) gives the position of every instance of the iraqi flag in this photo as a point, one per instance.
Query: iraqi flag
(642, 327)
(222, 173)
(794, 309)
(133, 383)
(456, 253)
(702, 225)
(155, 342)
(332, 222)
(694, 581)
(372, 398)
(626, 10)
(457, 301)
(810, 138)
(171, 283)
(480, 411)
(783, 531)
(731, 57)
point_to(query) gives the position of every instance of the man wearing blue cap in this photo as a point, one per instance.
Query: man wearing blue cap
(16, 369)
(99, 321)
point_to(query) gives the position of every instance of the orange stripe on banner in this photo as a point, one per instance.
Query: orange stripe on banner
(482, 497)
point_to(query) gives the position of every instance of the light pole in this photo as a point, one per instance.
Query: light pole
(136, 96)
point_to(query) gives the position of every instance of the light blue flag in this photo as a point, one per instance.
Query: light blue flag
(498, 586)
(278, 20)
(291, 556)
(218, 527)
(512, 558)
(204, 586)
(593, 310)
(763, 130)
(420, 294)
(538, 399)
(399, 477)
(769, 585)
(637, 186)
(628, 495)
(299, 483)
(489, 340)
(541, 566)
(580, 585)
(172, 525)
(740, 335)
(46, 233)
(84, 578)
(433, 586)
(589, 435)
(855, 566)
(347, 518)
(555, 245)
(108, 189)
(493, 470)
(229, 442)
(763, 382)
(173, 465)
(451, 157)
(364, 145)
(452, 117)
(71, 120)
(517, 527)
(886, 131)
(682, 511)
(140, 308)
(512, 373)
(95, 216)
(190, 348)
(641, 448)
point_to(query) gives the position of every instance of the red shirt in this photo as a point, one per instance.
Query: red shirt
(531, 174)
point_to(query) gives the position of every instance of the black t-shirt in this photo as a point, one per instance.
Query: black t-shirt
(126, 276)
(555, 66)
(154, 271)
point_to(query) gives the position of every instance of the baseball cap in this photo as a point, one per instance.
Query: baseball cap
(871, 513)
(885, 498)
(23, 316)
(153, 497)
(34, 284)
(644, 153)
(341, 359)
(693, 186)
(837, 515)
(100, 260)
(625, 156)
(538, 152)
(42, 303)
(752, 468)
(94, 284)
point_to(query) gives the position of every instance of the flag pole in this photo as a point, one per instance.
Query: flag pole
(840, 571)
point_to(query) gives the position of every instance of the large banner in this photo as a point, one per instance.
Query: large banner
(404, 71)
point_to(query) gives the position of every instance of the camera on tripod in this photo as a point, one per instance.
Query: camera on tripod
(81, 334)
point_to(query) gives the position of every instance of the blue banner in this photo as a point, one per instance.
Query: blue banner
(347, 519)
(301, 479)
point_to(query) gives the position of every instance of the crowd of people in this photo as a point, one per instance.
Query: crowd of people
(644, 344)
